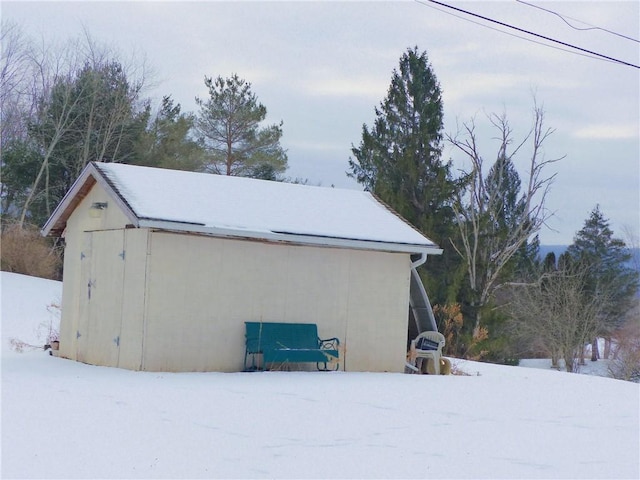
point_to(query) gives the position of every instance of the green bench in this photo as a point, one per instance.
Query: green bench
(282, 343)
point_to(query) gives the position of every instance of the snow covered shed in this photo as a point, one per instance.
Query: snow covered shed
(162, 268)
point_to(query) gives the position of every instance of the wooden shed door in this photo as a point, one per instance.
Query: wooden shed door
(99, 325)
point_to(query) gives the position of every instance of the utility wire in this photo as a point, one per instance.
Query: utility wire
(531, 33)
(590, 27)
(512, 34)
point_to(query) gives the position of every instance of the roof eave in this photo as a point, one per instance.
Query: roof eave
(91, 175)
(291, 238)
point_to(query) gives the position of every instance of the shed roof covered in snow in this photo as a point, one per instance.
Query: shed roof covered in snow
(246, 208)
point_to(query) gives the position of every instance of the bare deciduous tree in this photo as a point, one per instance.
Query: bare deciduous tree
(485, 246)
(556, 315)
(29, 73)
(625, 364)
(60, 124)
(75, 93)
(14, 79)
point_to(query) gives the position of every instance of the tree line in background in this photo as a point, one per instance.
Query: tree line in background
(495, 299)
(64, 107)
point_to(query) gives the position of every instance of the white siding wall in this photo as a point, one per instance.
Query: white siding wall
(201, 291)
(178, 302)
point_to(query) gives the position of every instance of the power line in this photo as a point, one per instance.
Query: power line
(484, 25)
(530, 33)
(590, 27)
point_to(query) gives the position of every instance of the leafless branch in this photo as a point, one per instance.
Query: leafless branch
(484, 251)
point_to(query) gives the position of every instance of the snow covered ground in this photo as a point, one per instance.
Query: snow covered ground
(62, 419)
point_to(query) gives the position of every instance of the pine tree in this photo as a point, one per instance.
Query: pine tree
(606, 259)
(399, 159)
(229, 125)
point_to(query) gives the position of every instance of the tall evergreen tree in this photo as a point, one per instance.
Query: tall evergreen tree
(502, 188)
(229, 123)
(607, 261)
(399, 160)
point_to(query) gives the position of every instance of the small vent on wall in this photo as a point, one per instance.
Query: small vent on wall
(95, 210)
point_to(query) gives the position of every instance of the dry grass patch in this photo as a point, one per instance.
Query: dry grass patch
(24, 250)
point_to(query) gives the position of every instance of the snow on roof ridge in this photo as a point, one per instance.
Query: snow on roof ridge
(105, 166)
(246, 204)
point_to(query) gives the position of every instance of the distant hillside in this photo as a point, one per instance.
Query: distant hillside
(560, 249)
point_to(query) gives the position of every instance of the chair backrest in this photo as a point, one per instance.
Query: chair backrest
(436, 337)
(262, 336)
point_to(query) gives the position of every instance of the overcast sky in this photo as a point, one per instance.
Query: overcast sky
(322, 67)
